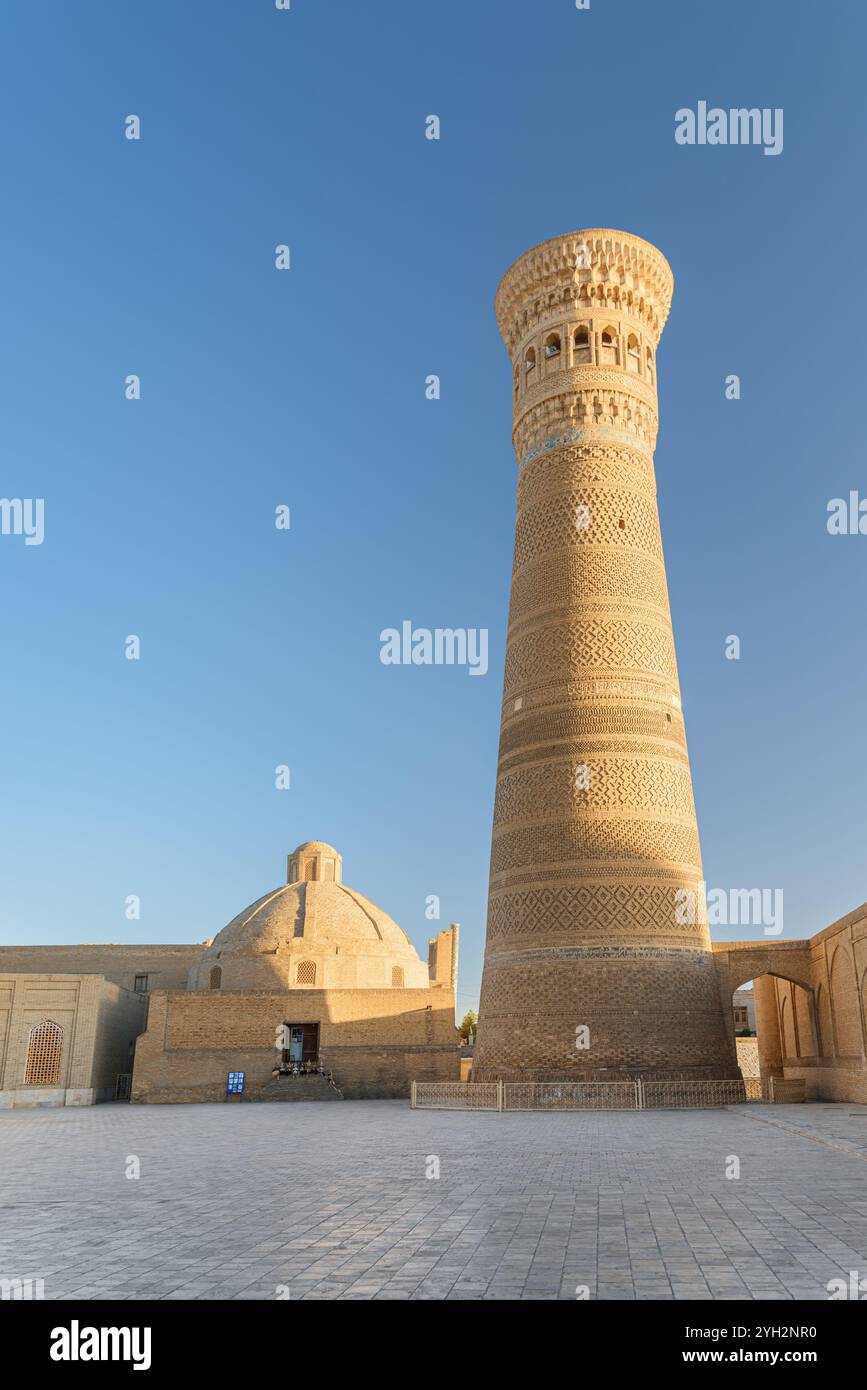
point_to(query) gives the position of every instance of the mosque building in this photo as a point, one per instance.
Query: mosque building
(312, 992)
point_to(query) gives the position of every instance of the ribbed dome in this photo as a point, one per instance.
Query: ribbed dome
(314, 932)
(328, 914)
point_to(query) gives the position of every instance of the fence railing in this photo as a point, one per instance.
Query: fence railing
(596, 1095)
(570, 1095)
(457, 1095)
(691, 1095)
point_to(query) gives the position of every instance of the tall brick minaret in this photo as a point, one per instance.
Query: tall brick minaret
(593, 969)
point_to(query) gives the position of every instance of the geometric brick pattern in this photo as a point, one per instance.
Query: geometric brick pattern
(602, 408)
(607, 908)
(565, 649)
(609, 784)
(627, 520)
(553, 580)
(577, 466)
(573, 723)
(594, 821)
(613, 842)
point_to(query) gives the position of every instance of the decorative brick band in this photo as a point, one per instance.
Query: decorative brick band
(594, 821)
(692, 954)
(585, 433)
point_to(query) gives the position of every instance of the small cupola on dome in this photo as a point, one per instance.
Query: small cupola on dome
(314, 862)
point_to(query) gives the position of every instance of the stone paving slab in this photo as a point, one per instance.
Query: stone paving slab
(334, 1202)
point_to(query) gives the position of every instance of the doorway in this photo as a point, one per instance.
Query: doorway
(303, 1049)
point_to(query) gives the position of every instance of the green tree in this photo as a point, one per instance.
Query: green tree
(469, 1024)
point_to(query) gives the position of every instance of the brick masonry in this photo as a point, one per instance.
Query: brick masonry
(166, 966)
(595, 833)
(99, 1021)
(376, 1042)
(811, 1005)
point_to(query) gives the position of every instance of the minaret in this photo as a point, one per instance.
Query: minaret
(597, 963)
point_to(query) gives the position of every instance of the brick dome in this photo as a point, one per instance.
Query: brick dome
(315, 932)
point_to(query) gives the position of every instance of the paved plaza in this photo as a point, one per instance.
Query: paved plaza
(314, 1201)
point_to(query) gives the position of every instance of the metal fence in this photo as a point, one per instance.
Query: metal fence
(691, 1095)
(456, 1095)
(598, 1095)
(570, 1095)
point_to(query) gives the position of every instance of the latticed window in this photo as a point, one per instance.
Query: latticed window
(216, 976)
(306, 973)
(397, 976)
(44, 1050)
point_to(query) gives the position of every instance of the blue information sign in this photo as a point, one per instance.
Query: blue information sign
(235, 1083)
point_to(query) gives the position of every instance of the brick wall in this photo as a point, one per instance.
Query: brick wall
(28, 1000)
(122, 1017)
(811, 1005)
(98, 1019)
(748, 1057)
(375, 1041)
(165, 966)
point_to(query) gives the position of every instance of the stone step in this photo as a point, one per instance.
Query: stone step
(297, 1088)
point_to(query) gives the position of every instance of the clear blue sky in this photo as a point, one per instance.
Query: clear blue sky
(306, 388)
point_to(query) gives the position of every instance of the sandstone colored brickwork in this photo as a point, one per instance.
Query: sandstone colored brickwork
(121, 1020)
(594, 831)
(313, 931)
(811, 1006)
(100, 1022)
(376, 1042)
(166, 966)
(748, 1058)
(312, 951)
